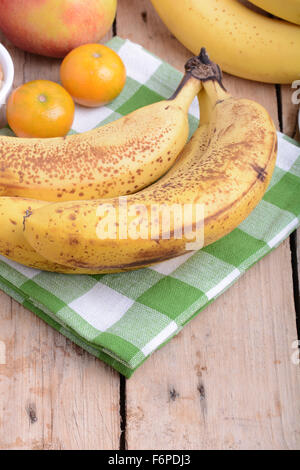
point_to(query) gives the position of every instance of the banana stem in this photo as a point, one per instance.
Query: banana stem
(204, 69)
(215, 92)
(200, 71)
(188, 88)
(210, 95)
(205, 106)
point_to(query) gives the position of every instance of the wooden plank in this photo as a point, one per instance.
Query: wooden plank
(227, 380)
(53, 395)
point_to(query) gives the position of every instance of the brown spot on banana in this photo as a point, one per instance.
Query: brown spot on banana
(261, 172)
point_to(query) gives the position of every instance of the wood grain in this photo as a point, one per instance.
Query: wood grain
(53, 395)
(227, 380)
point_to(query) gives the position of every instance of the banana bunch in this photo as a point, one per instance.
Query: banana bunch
(224, 170)
(288, 10)
(119, 158)
(243, 42)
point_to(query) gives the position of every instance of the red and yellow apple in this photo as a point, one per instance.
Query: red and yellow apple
(55, 27)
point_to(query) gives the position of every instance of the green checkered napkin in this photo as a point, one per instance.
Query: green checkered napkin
(123, 318)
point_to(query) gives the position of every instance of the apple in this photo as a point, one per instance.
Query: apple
(55, 27)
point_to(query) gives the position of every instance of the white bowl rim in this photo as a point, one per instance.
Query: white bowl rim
(8, 74)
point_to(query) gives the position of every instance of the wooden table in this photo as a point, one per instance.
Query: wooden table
(226, 381)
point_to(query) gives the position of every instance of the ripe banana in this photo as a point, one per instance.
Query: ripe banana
(13, 244)
(242, 41)
(288, 10)
(116, 159)
(225, 168)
